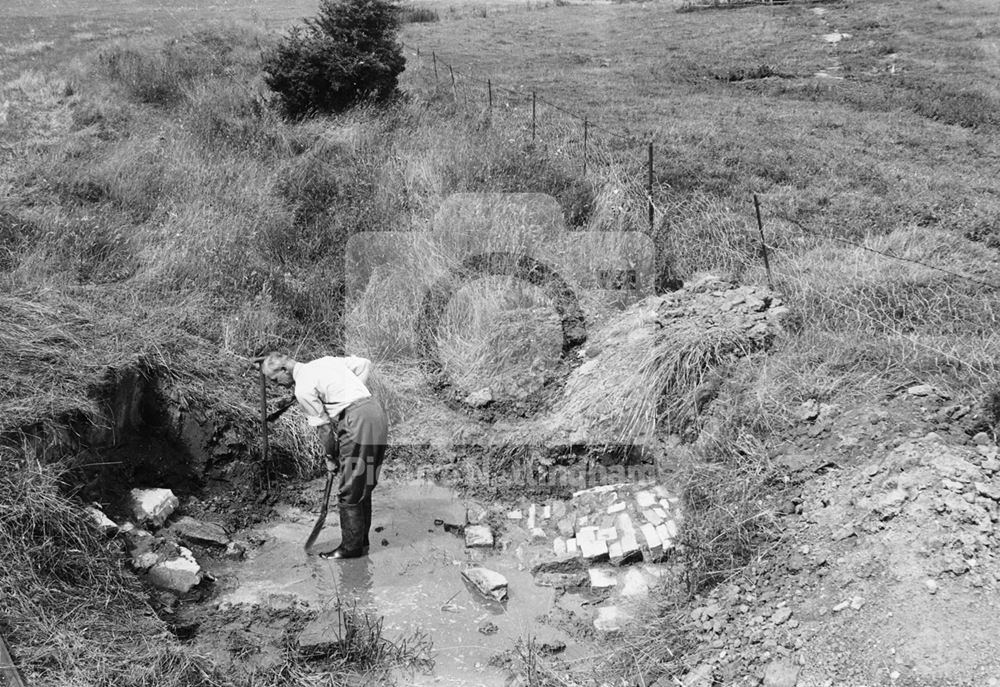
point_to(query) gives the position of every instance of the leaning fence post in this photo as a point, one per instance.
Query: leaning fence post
(454, 91)
(763, 243)
(649, 187)
(585, 126)
(434, 57)
(489, 93)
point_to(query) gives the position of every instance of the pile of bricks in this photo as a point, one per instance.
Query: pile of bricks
(620, 523)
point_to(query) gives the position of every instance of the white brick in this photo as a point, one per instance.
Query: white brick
(559, 546)
(586, 534)
(616, 507)
(607, 534)
(571, 547)
(652, 539)
(531, 517)
(662, 513)
(653, 516)
(645, 499)
(615, 553)
(626, 532)
(546, 512)
(592, 549)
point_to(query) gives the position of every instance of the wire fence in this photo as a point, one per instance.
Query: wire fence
(459, 80)
(546, 119)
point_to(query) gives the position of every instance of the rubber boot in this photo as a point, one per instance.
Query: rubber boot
(352, 523)
(367, 507)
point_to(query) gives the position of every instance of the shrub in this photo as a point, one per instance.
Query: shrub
(346, 55)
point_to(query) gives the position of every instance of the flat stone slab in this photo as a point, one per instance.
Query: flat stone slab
(489, 582)
(198, 532)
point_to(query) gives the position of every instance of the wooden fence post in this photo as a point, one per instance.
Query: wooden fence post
(763, 243)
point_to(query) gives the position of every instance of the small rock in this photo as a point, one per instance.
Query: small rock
(515, 515)
(490, 583)
(176, 574)
(857, 602)
(931, 585)
(152, 505)
(634, 584)
(610, 619)
(479, 399)
(990, 491)
(235, 551)
(475, 514)
(920, 390)
(488, 628)
(559, 546)
(808, 411)
(841, 606)
(478, 536)
(781, 674)
(104, 524)
(781, 615)
(982, 439)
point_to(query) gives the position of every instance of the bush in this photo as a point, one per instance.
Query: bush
(346, 55)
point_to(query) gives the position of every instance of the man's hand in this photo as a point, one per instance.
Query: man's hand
(331, 447)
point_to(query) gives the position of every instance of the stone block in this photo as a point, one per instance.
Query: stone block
(571, 547)
(478, 536)
(627, 537)
(645, 499)
(616, 507)
(152, 505)
(198, 532)
(531, 517)
(607, 534)
(102, 522)
(489, 582)
(178, 574)
(652, 544)
(559, 546)
(592, 549)
(653, 516)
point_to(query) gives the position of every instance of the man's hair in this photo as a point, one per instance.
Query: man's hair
(273, 362)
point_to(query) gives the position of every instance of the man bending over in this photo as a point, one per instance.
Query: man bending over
(333, 393)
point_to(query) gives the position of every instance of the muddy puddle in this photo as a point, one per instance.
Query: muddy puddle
(412, 579)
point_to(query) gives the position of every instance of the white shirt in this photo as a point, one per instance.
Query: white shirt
(326, 386)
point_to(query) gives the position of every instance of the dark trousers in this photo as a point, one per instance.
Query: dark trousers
(363, 432)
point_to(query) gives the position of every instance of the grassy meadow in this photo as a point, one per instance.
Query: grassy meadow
(156, 212)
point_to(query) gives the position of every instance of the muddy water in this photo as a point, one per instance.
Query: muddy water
(412, 578)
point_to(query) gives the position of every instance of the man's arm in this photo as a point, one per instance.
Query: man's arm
(361, 367)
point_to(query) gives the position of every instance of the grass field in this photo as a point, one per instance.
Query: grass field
(155, 211)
